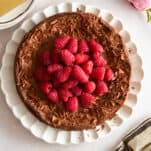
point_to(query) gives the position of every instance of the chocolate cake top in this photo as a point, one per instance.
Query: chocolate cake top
(82, 26)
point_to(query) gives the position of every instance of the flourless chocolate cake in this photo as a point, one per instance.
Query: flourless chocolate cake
(98, 87)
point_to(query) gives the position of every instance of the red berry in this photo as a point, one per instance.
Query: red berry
(72, 45)
(53, 68)
(41, 74)
(44, 58)
(55, 82)
(101, 88)
(63, 75)
(55, 56)
(81, 58)
(89, 87)
(99, 60)
(88, 67)
(61, 42)
(53, 96)
(67, 57)
(108, 74)
(64, 94)
(45, 87)
(79, 74)
(94, 46)
(70, 84)
(87, 100)
(82, 46)
(98, 73)
(76, 90)
(72, 104)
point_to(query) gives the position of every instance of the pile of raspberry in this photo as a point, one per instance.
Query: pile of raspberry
(74, 73)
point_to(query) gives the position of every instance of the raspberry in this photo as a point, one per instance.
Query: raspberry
(55, 82)
(53, 96)
(94, 46)
(89, 87)
(67, 57)
(72, 45)
(41, 74)
(82, 46)
(63, 75)
(72, 104)
(108, 74)
(61, 42)
(55, 56)
(79, 74)
(45, 87)
(88, 67)
(99, 60)
(70, 83)
(98, 73)
(64, 94)
(81, 58)
(53, 68)
(76, 90)
(44, 58)
(101, 88)
(87, 100)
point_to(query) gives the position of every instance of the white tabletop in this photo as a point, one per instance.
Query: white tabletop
(14, 137)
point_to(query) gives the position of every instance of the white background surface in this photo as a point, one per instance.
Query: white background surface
(13, 137)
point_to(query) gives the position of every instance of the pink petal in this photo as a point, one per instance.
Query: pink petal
(140, 4)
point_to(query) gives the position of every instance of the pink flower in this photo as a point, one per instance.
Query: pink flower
(140, 4)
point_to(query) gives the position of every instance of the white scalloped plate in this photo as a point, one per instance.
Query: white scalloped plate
(28, 120)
